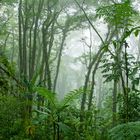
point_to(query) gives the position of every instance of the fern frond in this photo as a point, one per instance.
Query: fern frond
(72, 96)
(129, 131)
(47, 94)
(69, 98)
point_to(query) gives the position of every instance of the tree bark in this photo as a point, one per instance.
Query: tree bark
(20, 38)
(59, 57)
(114, 103)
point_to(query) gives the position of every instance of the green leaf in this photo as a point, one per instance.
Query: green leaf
(47, 94)
(129, 131)
(64, 128)
(136, 33)
(71, 96)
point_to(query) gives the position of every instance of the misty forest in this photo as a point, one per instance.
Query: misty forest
(69, 69)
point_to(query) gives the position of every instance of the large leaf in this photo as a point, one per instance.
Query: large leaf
(129, 131)
(47, 94)
(70, 97)
(64, 128)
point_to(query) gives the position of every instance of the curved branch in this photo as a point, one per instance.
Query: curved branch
(90, 22)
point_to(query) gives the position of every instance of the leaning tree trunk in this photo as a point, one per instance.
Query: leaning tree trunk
(59, 56)
(93, 80)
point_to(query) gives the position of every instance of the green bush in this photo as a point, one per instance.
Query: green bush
(9, 117)
(129, 131)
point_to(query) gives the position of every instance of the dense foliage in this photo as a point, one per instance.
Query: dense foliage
(43, 92)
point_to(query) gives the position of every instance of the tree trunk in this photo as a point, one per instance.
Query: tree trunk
(59, 57)
(20, 38)
(114, 103)
(93, 80)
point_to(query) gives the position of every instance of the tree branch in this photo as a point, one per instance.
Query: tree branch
(90, 22)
